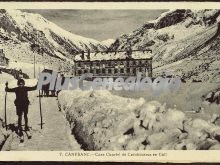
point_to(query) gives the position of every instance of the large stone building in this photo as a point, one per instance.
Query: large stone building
(3, 60)
(115, 67)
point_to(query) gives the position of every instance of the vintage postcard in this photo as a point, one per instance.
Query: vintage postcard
(128, 81)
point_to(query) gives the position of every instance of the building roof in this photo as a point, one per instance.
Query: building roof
(113, 56)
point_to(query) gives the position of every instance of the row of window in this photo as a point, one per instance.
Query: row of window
(111, 71)
(112, 63)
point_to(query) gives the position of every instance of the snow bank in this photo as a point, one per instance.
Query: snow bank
(3, 134)
(102, 121)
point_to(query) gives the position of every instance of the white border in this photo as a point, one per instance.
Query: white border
(169, 156)
(110, 5)
(185, 156)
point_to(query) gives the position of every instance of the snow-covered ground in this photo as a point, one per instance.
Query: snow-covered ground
(103, 121)
(22, 57)
(27, 68)
(47, 139)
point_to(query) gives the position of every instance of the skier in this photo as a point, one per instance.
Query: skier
(21, 102)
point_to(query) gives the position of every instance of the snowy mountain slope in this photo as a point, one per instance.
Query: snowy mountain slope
(108, 42)
(178, 35)
(25, 23)
(23, 35)
(203, 61)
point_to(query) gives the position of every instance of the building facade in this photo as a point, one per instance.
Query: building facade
(114, 68)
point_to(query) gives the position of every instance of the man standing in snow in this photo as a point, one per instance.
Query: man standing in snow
(21, 102)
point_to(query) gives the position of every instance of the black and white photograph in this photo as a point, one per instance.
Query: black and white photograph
(109, 80)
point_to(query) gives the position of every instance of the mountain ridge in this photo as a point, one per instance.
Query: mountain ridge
(25, 35)
(176, 37)
(36, 29)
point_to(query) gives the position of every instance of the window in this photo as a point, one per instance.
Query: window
(128, 70)
(97, 64)
(97, 71)
(134, 71)
(140, 62)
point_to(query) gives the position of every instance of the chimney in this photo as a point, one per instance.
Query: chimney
(2, 53)
(82, 56)
(88, 56)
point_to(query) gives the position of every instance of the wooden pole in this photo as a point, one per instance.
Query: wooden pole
(34, 66)
(6, 111)
(41, 117)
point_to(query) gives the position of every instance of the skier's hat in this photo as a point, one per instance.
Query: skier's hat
(20, 80)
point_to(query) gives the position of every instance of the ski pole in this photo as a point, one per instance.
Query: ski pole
(5, 111)
(41, 118)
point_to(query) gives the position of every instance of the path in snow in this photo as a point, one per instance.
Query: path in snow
(55, 134)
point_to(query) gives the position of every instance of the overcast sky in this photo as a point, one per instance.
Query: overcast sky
(99, 24)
